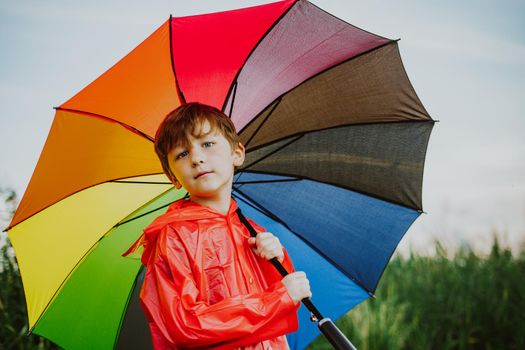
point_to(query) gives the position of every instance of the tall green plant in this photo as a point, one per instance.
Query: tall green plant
(13, 315)
(464, 302)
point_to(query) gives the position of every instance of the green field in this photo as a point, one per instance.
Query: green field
(468, 301)
(463, 302)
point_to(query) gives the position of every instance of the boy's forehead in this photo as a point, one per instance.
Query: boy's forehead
(201, 128)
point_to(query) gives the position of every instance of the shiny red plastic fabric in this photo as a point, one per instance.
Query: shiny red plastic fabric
(205, 288)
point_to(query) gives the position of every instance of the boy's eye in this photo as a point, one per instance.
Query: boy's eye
(181, 155)
(208, 144)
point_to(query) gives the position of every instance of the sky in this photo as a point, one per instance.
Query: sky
(466, 61)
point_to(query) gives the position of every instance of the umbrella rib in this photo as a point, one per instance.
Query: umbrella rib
(314, 76)
(265, 181)
(300, 177)
(270, 214)
(273, 152)
(420, 210)
(90, 114)
(70, 194)
(233, 98)
(123, 314)
(302, 133)
(144, 214)
(141, 182)
(392, 254)
(64, 282)
(177, 87)
(261, 208)
(263, 122)
(139, 216)
(82, 259)
(251, 53)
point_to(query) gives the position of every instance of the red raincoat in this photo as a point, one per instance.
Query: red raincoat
(205, 288)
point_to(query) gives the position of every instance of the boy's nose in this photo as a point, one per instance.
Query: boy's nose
(197, 158)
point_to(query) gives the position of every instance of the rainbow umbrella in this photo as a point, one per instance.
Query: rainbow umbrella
(335, 135)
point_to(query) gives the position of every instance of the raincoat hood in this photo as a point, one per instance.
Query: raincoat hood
(192, 211)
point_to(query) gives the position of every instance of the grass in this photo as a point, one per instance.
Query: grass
(464, 302)
(467, 301)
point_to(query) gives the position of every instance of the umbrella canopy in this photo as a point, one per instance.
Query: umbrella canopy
(335, 137)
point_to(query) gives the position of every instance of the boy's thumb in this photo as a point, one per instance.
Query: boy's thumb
(251, 240)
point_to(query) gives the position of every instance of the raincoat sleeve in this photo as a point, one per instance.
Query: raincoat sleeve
(171, 299)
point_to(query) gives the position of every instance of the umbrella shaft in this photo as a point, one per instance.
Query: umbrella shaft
(338, 340)
(309, 305)
(327, 327)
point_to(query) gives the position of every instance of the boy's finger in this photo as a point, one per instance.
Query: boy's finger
(299, 274)
(268, 242)
(264, 234)
(261, 240)
(266, 245)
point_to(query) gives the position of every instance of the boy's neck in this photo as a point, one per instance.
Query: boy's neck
(221, 204)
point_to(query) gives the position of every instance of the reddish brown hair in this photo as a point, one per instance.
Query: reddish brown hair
(186, 120)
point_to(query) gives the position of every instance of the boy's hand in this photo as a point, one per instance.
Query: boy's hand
(267, 246)
(297, 286)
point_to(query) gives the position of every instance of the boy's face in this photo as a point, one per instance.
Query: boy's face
(205, 167)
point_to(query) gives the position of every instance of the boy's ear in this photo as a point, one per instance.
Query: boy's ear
(238, 155)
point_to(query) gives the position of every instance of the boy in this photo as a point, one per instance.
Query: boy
(208, 284)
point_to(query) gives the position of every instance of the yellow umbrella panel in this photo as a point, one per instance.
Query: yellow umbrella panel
(99, 138)
(72, 199)
(51, 244)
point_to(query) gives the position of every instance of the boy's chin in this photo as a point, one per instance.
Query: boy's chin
(208, 194)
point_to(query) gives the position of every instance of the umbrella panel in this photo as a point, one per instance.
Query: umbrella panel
(135, 333)
(333, 292)
(50, 244)
(302, 44)
(356, 233)
(83, 151)
(370, 88)
(382, 160)
(100, 287)
(218, 42)
(137, 91)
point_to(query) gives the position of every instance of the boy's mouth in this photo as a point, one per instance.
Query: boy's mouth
(201, 174)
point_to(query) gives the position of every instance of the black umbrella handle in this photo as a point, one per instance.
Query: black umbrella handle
(334, 335)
